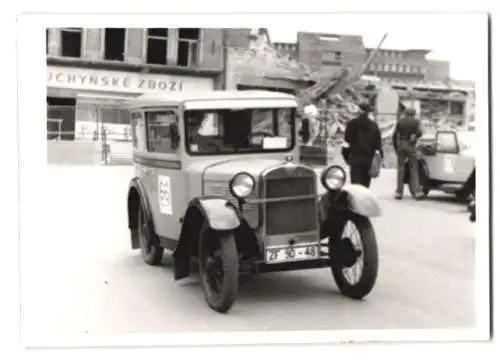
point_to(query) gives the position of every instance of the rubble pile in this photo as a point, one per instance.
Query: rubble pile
(337, 100)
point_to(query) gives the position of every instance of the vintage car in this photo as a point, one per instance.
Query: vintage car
(217, 181)
(446, 163)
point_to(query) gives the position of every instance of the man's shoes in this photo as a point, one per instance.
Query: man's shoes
(398, 196)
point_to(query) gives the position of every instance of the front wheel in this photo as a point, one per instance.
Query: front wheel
(219, 268)
(354, 256)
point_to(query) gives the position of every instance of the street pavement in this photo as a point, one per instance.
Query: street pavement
(81, 277)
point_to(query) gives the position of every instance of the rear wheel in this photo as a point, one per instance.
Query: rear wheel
(151, 252)
(422, 180)
(354, 256)
(219, 268)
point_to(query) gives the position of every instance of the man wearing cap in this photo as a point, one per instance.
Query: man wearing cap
(404, 140)
(363, 137)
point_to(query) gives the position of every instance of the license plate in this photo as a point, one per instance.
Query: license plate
(292, 253)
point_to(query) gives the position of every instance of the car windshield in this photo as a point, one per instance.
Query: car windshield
(228, 131)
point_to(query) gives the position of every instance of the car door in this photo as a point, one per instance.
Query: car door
(444, 165)
(165, 177)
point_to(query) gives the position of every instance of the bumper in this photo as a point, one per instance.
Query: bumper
(260, 267)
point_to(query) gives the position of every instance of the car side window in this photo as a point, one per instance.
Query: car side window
(446, 142)
(158, 133)
(138, 131)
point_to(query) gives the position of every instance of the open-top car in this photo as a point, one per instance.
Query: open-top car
(446, 163)
(217, 179)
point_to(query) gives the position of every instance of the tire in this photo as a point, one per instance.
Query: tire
(218, 253)
(422, 179)
(340, 257)
(463, 196)
(425, 193)
(151, 252)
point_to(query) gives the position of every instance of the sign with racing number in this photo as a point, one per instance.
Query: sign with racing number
(164, 195)
(291, 253)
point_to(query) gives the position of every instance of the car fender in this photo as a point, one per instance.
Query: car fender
(219, 212)
(137, 195)
(362, 201)
(220, 215)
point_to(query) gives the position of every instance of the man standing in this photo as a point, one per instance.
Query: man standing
(404, 140)
(363, 136)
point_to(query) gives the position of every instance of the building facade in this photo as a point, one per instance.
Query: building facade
(398, 65)
(328, 53)
(325, 53)
(91, 71)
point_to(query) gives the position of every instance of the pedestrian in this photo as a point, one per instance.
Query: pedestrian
(408, 131)
(363, 139)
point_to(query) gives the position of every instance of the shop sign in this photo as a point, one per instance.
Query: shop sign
(121, 81)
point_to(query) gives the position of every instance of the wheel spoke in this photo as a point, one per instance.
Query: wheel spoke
(353, 273)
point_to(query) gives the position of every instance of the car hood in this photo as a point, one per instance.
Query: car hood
(224, 170)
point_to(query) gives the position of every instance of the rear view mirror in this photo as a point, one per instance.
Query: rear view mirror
(174, 135)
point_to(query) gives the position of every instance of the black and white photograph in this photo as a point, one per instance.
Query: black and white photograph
(253, 179)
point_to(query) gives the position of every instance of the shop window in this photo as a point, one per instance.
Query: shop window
(157, 44)
(71, 42)
(111, 115)
(61, 118)
(187, 49)
(114, 44)
(158, 131)
(138, 131)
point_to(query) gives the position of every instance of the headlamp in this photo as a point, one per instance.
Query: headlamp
(241, 185)
(333, 177)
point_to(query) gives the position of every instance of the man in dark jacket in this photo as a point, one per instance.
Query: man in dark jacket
(404, 140)
(364, 138)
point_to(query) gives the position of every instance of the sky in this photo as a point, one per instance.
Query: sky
(458, 38)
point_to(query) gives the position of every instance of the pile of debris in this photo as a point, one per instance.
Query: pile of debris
(336, 101)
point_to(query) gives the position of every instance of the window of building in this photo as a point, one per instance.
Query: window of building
(157, 41)
(187, 49)
(404, 68)
(71, 42)
(158, 131)
(456, 108)
(329, 38)
(114, 43)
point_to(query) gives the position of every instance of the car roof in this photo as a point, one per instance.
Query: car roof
(176, 98)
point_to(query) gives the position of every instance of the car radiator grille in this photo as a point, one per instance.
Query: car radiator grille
(290, 215)
(221, 189)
